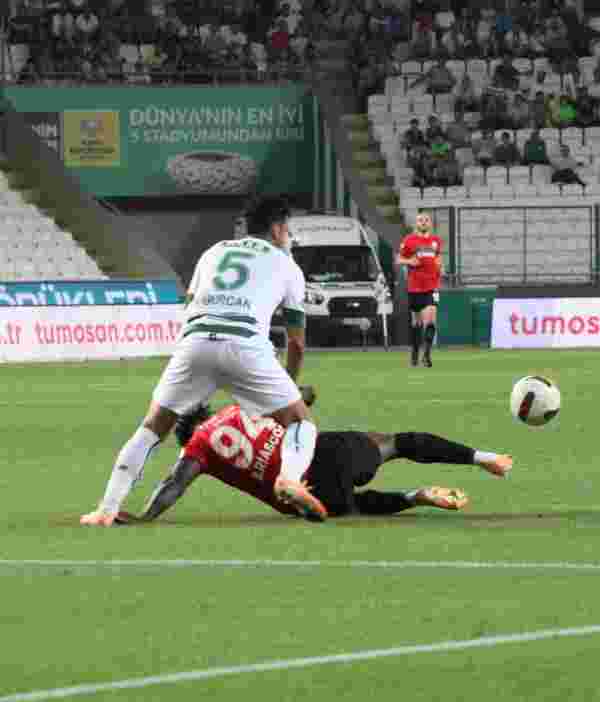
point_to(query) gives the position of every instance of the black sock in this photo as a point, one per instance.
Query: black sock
(416, 336)
(429, 448)
(373, 502)
(429, 337)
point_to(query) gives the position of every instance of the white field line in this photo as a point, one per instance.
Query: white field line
(267, 666)
(391, 565)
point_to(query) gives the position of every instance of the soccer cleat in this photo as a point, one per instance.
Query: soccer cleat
(443, 498)
(500, 466)
(298, 496)
(414, 358)
(427, 362)
(98, 518)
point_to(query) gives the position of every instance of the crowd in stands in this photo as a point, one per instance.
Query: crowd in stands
(155, 41)
(493, 74)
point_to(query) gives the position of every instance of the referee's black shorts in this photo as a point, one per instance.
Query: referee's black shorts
(343, 460)
(419, 301)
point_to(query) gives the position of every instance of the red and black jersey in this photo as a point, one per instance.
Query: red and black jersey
(241, 451)
(427, 248)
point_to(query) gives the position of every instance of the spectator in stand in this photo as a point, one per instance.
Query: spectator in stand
(62, 23)
(506, 75)
(537, 41)
(484, 149)
(516, 41)
(434, 129)
(519, 113)
(452, 43)
(457, 133)
(538, 110)
(259, 59)
(279, 40)
(370, 79)
(534, 150)
(446, 171)
(443, 21)
(586, 108)
(438, 79)
(423, 43)
(506, 153)
(355, 23)
(567, 112)
(413, 136)
(465, 95)
(86, 25)
(214, 47)
(422, 163)
(504, 24)
(494, 113)
(485, 35)
(565, 168)
(465, 27)
(439, 146)
(556, 39)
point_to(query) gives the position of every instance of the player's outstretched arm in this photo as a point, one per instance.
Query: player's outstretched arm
(185, 471)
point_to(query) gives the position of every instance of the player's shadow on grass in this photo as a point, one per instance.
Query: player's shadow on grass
(464, 520)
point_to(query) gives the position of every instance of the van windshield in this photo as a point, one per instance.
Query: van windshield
(336, 264)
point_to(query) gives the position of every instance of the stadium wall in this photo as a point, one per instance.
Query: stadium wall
(126, 250)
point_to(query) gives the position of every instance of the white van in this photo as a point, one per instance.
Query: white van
(345, 284)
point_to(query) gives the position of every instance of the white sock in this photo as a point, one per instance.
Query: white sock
(128, 468)
(297, 449)
(484, 457)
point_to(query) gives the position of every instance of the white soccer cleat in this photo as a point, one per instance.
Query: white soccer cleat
(298, 496)
(98, 518)
(443, 498)
(499, 466)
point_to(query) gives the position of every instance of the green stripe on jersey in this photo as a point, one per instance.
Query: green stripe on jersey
(219, 329)
(294, 318)
(239, 318)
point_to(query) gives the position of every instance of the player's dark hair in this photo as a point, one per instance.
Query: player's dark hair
(265, 211)
(186, 423)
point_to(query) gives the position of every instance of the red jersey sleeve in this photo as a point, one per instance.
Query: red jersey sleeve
(407, 246)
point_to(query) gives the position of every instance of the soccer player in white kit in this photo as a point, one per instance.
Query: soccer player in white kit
(236, 287)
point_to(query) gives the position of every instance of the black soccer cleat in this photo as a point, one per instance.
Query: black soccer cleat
(427, 362)
(414, 358)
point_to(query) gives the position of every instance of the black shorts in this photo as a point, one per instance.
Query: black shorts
(419, 301)
(343, 460)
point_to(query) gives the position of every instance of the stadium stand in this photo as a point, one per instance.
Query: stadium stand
(33, 247)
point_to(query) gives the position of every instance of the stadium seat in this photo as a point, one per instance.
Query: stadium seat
(523, 65)
(573, 136)
(400, 106)
(541, 173)
(502, 192)
(497, 174)
(541, 64)
(444, 104)
(526, 192)
(457, 68)
(480, 192)
(456, 194)
(411, 67)
(519, 175)
(473, 176)
(394, 86)
(423, 105)
(521, 136)
(549, 191)
(572, 190)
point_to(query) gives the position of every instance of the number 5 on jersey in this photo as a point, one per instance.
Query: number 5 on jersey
(232, 261)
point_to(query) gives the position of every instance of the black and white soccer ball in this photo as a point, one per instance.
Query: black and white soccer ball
(534, 400)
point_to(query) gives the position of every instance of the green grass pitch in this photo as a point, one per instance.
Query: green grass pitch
(69, 625)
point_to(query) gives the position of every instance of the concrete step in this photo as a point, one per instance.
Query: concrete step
(382, 195)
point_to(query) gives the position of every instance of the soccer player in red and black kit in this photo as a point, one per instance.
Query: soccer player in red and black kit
(245, 453)
(421, 252)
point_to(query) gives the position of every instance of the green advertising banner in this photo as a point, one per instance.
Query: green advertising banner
(132, 141)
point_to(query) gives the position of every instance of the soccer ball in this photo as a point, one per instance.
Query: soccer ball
(534, 400)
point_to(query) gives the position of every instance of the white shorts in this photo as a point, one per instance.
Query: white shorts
(250, 371)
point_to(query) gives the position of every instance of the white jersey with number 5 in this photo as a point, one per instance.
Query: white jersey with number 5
(238, 284)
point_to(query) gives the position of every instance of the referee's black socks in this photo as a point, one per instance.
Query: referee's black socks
(429, 448)
(429, 334)
(416, 337)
